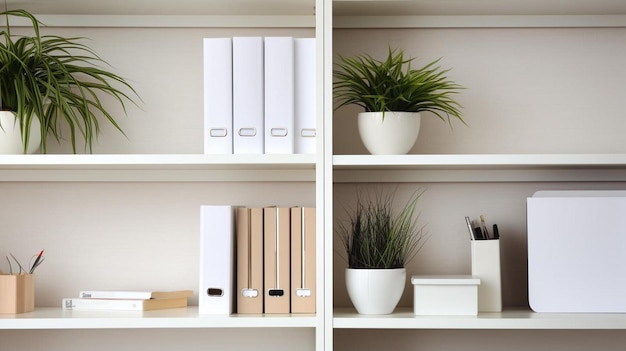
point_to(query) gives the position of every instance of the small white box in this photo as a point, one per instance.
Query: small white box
(445, 295)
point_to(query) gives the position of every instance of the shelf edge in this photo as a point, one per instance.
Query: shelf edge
(56, 318)
(508, 319)
(489, 21)
(173, 21)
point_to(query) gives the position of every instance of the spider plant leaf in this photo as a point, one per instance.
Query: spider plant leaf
(59, 81)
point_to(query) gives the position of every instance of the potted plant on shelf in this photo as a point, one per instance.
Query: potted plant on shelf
(393, 94)
(379, 242)
(48, 83)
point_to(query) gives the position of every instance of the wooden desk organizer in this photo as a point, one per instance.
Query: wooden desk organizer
(17, 293)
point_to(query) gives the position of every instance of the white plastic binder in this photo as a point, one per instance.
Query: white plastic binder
(305, 106)
(279, 95)
(218, 96)
(248, 96)
(216, 295)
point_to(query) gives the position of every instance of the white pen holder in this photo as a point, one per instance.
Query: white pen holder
(486, 266)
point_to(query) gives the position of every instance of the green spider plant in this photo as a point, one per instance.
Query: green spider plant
(377, 237)
(56, 80)
(392, 85)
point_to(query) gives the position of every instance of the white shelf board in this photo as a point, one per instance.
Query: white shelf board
(476, 7)
(477, 14)
(149, 161)
(164, 7)
(478, 160)
(57, 318)
(404, 318)
(160, 13)
(174, 21)
(480, 168)
(488, 21)
(168, 167)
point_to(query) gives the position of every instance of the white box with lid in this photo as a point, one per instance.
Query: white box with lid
(445, 295)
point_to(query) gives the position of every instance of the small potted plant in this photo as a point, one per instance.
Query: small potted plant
(48, 82)
(379, 241)
(393, 94)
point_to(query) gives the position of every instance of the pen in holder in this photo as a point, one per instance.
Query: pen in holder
(17, 293)
(486, 266)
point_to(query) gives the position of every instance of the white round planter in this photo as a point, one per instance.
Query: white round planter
(395, 134)
(11, 135)
(375, 291)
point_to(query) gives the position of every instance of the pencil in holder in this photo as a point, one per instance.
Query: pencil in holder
(17, 293)
(486, 266)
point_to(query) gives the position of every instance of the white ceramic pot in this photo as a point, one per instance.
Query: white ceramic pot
(395, 134)
(375, 291)
(11, 135)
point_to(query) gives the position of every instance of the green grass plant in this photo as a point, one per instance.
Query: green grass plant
(375, 236)
(393, 85)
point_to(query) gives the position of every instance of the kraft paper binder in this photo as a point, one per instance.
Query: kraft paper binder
(303, 260)
(305, 106)
(279, 95)
(216, 260)
(576, 260)
(248, 95)
(277, 265)
(250, 260)
(218, 96)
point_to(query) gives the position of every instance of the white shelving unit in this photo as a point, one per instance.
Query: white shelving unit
(191, 177)
(173, 183)
(372, 26)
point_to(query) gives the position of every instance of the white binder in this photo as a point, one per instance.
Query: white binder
(305, 106)
(216, 291)
(576, 260)
(279, 95)
(218, 96)
(248, 95)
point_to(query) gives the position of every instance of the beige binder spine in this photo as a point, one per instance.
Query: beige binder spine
(277, 260)
(250, 260)
(303, 260)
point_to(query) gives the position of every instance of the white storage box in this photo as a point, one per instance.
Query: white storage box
(576, 246)
(445, 295)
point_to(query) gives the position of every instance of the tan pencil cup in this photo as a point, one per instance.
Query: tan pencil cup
(17, 293)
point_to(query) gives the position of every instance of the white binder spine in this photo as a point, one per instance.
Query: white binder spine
(218, 96)
(248, 95)
(279, 95)
(305, 96)
(216, 291)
